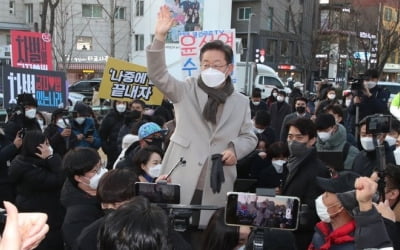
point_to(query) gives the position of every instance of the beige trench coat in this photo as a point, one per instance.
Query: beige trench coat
(194, 139)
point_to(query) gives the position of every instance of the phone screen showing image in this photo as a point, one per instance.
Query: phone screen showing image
(280, 212)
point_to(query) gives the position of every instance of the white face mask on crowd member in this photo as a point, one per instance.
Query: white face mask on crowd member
(280, 98)
(367, 143)
(212, 78)
(278, 165)
(30, 113)
(155, 171)
(120, 107)
(80, 120)
(62, 123)
(331, 96)
(390, 140)
(347, 102)
(324, 136)
(322, 210)
(94, 180)
(370, 84)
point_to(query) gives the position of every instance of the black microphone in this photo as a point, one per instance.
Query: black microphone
(181, 162)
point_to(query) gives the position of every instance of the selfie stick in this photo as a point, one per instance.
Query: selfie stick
(181, 162)
(380, 155)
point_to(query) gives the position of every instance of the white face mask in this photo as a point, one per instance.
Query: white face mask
(390, 140)
(212, 78)
(367, 143)
(256, 103)
(331, 96)
(278, 165)
(80, 120)
(397, 156)
(322, 210)
(274, 94)
(347, 102)
(155, 171)
(30, 113)
(120, 108)
(370, 84)
(51, 150)
(324, 136)
(94, 181)
(280, 98)
(61, 123)
(258, 130)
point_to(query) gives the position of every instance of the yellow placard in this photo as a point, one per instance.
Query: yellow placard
(126, 81)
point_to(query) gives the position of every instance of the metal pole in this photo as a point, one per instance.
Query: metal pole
(246, 76)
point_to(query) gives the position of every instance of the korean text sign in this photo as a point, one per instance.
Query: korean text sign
(126, 81)
(31, 50)
(48, 87)
(191, 43)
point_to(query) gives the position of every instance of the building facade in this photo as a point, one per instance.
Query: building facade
(281, 34)
(82, 34)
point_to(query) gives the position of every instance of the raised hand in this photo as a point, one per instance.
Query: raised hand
(23, 231)
(164, 22)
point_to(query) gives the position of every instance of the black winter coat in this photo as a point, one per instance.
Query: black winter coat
(81, 210)
(38, 184)
(301, 182)
(108, 132)
(7, 152)
(16, 123)
(278, 112)
(60, 144)
(366, 162)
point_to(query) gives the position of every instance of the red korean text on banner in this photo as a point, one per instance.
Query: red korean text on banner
(31, 50)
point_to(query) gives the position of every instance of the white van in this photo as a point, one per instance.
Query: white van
(262, 77)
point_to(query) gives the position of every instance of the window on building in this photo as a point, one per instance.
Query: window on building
(388, 14)
(91, 10)
(139, 42)
(287, 21)
(139, 7)
(83, 43)
(11, 7)
(270, 18)
(29, 13)
(284, 48)
(243, 13)
(120, 13)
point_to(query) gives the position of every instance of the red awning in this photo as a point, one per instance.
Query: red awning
(83, 66)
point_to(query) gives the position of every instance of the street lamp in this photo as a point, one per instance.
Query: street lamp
(246, 76)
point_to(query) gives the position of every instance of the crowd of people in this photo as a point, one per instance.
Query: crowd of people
(320, 151)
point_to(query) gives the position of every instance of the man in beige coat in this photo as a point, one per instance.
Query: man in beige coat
(211, 118)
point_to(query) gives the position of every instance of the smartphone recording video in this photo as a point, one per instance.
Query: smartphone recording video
(159, 192)
(280, 212)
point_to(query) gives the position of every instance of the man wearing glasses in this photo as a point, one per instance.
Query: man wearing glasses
(211, 118)
(302, 169)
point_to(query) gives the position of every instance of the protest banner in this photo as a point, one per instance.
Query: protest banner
(48, 87)
(31, 50)
(188, 16)
(191, 43)
(126, 81)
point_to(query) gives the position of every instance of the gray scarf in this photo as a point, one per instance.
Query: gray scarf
(215, 97)
(294, 161)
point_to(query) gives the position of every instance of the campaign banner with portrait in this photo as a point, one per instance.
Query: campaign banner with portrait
(126, 81)
(191, 43)
(188, 15)
(48, 87)
(31, 50)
